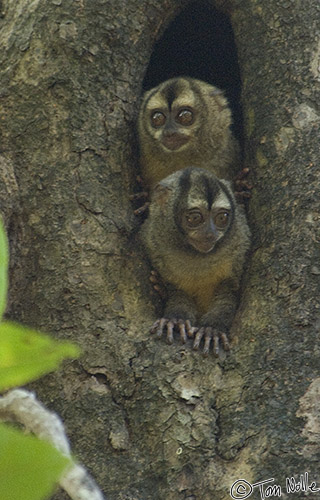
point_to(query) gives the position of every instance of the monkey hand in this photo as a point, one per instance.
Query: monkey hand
(158, 284)
(211, 336)
(242, 186)
(167, 326)
(141, 196)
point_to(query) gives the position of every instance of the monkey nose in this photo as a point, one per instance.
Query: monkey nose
(170, 133)
(212, 230)
(205, 246)
(209, 239)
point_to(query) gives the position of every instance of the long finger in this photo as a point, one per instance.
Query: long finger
(207, 341)
(215, 343)
(191, 330)
(162, 324)
(225, 341)
(198, 338)
(170, 327)
(154, 327)
(182, 331)
(141, 210)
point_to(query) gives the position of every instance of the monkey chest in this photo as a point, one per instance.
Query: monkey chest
(202, 284)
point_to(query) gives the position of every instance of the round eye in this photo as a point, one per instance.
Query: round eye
(221, 219)
(158, 119)
(194, 219)
(185, 117)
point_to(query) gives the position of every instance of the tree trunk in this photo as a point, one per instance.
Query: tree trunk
(152, 421)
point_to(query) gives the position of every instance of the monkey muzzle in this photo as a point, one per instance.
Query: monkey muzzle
(203, 245)
(204, 238)
(174, 141)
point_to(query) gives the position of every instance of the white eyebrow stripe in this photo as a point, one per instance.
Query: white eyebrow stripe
(193, 202)
(222, 201)
(156, 101)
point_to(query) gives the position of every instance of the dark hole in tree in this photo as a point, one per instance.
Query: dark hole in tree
(199, 43)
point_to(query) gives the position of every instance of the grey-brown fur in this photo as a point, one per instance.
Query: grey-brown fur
(203, 287)
(211, 144)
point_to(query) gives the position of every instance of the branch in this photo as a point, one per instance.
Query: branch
(21, 406)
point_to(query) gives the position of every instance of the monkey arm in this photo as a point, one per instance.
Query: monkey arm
(215, 324)
(180, 305)
(223, 306)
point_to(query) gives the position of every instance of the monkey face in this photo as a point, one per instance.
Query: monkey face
(202, 207)
(172, 128)
(206, 209)
(203, 227)
(182, 122)
(173, 113)
(171, 125)
(180, 111)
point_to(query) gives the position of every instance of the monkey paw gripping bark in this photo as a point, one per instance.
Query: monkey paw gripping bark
(242, 187)
(197, 238)
(209, 334)
(183, 326)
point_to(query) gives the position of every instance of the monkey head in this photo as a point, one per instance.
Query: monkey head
(199, 205)
(181, 113)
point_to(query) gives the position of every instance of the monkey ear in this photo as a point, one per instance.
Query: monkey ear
(219, 97)
(161, 194)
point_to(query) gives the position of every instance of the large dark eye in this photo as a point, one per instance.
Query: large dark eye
(194, 219)
(158, 119)
(221, 219)
(185, 117)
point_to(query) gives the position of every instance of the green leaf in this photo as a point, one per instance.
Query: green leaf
(26, 354)
(4, 258)
(29, 468)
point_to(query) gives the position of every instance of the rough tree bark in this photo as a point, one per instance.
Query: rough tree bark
(148, 420)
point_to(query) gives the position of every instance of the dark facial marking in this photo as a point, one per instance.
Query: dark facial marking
(210, 186)
(210, 189)
(183, 189)
(185, 182)
(171, 92)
